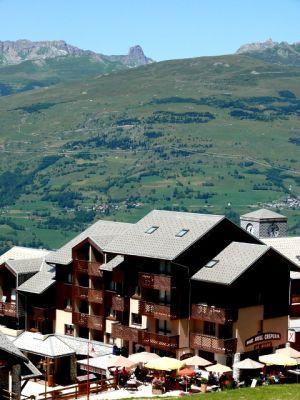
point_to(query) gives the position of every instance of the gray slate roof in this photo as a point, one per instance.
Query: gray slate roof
(163, 243)
(288, 246)
(38, 283)
(7, 346)
(44, 345)
(22, 253)
(232, 262)
(80, 346)
(263, 214)
(101, 232)
(110, 265)
(25, 266)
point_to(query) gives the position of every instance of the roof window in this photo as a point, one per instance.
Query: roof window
(182, 233)
(151, 229)
(211, 263)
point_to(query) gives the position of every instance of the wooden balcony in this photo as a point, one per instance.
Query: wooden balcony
(8, 309)
(88, 321)
(95, 296)
(159, 341)
(295, 311)
(212, 344)
(80, 292)
(211, 313)
(155, 281)
(126, 332)
(120, 303)
(42, 313)
(89, 267)
(157, 310)
(295, 299)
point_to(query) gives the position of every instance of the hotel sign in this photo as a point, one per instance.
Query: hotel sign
(263, 337)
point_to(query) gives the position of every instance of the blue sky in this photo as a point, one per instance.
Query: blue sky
(166, 29)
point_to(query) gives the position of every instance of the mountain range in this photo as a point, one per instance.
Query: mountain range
(82, 138)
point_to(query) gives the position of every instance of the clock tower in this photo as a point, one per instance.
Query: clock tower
(264, 223)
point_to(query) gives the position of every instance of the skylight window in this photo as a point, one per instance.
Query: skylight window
(151, 229)
(211, 263)
(182, 233)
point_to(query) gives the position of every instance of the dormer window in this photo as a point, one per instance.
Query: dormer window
(151, 229)
(182, 232)
(211, 263)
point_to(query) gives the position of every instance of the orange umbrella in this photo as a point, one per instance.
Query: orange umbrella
(186, 372)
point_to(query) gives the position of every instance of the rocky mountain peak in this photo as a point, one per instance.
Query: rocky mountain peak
(257, 46)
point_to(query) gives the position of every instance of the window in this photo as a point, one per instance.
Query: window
(165, 267)
(69, 277)
(136, 319)
(151, 229)
(164, 297)
(112, 313)
(298, 258)
(163, 326)
(211, 263)
(67, 304)
(209, 328)
(69, 330)
(182, 232)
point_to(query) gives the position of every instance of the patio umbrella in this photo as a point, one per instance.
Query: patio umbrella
(186, 372)
(165, 364)
(289, 351)
(143, 357)
(218, 368)
(120, 361)
(277, 359)
(248, 364)
(197, 361)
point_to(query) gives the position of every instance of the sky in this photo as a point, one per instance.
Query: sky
(166, 29)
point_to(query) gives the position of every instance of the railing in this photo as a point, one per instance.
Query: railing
(90, 267)
(157, 310)
(125, 332)
(88, 321)
(7, 395)
(295, 310)
(8, 309)
(213, 344)
(295, 299)
(155, 281)
(160, 341)
(79, 390)
(42, 313)
(120, 303)
(210, 313)
(95, 296)
(80, 292)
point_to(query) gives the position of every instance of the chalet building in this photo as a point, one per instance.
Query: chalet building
(173, 283)
(17, 266)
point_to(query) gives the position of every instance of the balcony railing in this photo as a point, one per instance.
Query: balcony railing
(8, 309)
(211, 313)
(155, 281)
(160, 341)
(90, 267)
(213, 344)
(157, 310)
(95, 296)
(126, 332)
(120, 303)
(80, 292)
(42, 313)
(88, 321)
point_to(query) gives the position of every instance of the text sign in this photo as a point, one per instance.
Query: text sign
(262, 338)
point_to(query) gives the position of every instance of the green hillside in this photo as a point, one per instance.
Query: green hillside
(213, 134)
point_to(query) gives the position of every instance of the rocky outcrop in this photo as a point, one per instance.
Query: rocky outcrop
(256, 46)
(15, 52)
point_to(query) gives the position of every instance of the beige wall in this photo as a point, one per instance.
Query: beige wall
(62, 318)
(248, 325)
(134, 308)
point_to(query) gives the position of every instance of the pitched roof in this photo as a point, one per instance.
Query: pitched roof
(25, 266)
(80, 346)
(38, 283)
(231, 263)
(288, 246)
(263, 214)
(22, 253)
(44, 345)
(101, 232)
(7, 346)
(110, 265)
(165, 241)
